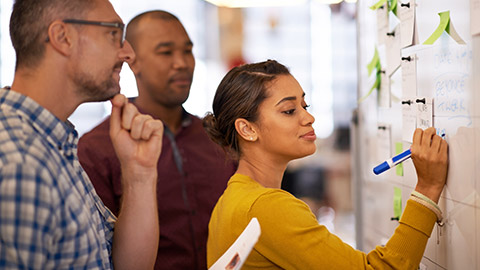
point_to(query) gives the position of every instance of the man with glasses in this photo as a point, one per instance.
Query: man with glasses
(70, 52)
(192, 171)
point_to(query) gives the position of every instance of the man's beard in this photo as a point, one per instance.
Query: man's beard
(91, 90)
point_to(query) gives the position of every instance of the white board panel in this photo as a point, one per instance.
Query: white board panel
(449, 73)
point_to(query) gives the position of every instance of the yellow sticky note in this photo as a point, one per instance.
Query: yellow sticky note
(397, 202)
(398, 150)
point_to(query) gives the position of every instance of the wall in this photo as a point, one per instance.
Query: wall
(444, 72)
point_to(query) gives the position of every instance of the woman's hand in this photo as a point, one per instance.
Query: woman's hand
(430, 157)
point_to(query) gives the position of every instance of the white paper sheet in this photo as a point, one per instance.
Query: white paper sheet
(382, 24)
(409, 118)
(406, 12)
(392, 41)
(384, 140)
(385, 94)
(409, 76)
(238, 252)
(424, 112)
(474, 17)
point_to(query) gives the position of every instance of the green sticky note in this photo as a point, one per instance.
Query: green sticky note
(397, 202)
(392, 6)
(378, 4)
(374, 63)
(398, 150)
(443, 26)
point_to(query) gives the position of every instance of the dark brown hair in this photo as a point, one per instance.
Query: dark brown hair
(239, 95)
(30, 21)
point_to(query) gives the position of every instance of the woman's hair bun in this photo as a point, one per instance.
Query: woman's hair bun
(210, 126)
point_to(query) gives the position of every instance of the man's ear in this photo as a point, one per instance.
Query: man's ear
(61, 37)
(246, 130)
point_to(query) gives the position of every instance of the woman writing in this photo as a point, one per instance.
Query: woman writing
(260, 116)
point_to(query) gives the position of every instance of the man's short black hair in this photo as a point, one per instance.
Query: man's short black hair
(130, 35)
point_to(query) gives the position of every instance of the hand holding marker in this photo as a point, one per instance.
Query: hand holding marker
(394, 161)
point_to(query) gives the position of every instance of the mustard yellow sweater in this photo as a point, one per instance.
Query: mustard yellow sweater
(291, 237)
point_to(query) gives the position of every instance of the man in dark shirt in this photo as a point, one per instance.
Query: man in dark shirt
(192, 170)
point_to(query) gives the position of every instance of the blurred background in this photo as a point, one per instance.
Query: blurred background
(316, 39)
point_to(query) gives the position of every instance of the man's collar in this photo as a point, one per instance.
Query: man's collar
(186, 118)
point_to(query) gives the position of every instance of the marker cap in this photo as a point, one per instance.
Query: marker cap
(381, 168)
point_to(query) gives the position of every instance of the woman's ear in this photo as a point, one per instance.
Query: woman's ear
(246, 130)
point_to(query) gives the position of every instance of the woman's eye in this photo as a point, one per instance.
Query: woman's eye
(289, 111)
(306, 106)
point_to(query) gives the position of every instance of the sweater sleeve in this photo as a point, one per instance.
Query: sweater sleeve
(292, 238)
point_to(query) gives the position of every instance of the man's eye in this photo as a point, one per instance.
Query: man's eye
(115, 34)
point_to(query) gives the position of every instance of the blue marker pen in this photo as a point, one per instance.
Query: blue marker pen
(392, 162)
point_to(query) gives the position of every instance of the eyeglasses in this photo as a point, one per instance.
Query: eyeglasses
(118, 25)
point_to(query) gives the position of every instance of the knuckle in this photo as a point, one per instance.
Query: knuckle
(131, 107)
(139, 119)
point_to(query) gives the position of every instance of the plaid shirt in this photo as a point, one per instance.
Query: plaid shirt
(50, 215)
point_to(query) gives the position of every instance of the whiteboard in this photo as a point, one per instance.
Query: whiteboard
(447, 72)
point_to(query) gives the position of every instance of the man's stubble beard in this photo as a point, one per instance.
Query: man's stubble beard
(91, 90)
